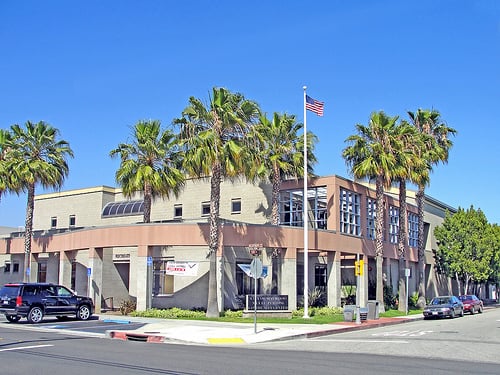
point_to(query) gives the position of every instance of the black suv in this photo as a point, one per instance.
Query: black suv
(34, 300)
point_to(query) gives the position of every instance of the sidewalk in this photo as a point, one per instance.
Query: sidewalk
(223, 333)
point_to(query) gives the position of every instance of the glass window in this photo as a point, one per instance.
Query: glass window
(236, 206)
(53, 222)
(412, 229)
(205, 209)
(162, 283)
(42, 272)
(72, 220)
(15, 267)
(6, 268)
(371, 216)
(178, 211)
(291, 212)
(320, 276)
(350, 218)
(393, 224)
(123, 208)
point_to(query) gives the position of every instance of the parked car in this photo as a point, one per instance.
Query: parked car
(444, 306)
(35, 300)
(471, 303)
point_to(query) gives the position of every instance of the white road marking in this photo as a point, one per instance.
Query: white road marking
(403, 333)
(366, 341)
(25, 347)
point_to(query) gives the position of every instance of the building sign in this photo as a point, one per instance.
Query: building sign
(181, 268)
(121, 257)
(267, 302)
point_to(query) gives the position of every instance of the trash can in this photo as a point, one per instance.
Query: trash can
(373, 310)
(348, 313)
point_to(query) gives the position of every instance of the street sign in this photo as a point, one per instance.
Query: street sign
(256, 268)
(150, 261)
(89, 271)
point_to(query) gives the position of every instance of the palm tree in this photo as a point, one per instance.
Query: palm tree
(37, 157)
(436, 148)
(371, 154)
(408, 168)
(282, 153)
(150, 164)
(4, 175)
(216, 143)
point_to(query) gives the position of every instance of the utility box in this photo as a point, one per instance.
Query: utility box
(373, 310)
(349, 313)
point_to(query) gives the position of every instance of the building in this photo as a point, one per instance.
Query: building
(94, 241)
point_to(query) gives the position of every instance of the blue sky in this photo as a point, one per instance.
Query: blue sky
(92, 69)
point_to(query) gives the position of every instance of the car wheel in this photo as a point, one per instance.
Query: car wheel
(83, 312)
(480, 311)
(473, 310)
(462, 312)
(35, 315)
(452, 314)
(12, 318)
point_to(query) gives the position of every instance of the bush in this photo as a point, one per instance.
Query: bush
(172, 313)
(127, 306)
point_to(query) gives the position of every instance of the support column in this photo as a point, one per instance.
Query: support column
(95, 284)
(334, 279)
(144, 279)
(65, 259)
(220, 281)
(289, 277)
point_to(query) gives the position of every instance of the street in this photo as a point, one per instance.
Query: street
(464, 345)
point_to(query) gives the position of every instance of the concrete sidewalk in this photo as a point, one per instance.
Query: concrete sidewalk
(223, 333)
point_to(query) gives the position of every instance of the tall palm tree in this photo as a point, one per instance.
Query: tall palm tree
(38, 157)
(215, 139)
(4, 174)
(371, 154)
(408, 168)
(150, 164)
(282, 153)
(436, 148)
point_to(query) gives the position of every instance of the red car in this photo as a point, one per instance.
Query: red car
(472, 304)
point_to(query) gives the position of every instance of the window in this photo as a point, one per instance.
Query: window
(205, 209)
(53, 222)
(42, 272)
(350, 220)
(412, 229)
(125, 208)
(245, 283)
(320, 276)
(15, 267)
(393, 224)
(178, 211)
(73, 274)
(6, 268)
(371, 216)
(236, 206)
(162, 284)
(291, 203)
(72, 220)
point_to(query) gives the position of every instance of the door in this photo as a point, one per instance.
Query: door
(66, 300)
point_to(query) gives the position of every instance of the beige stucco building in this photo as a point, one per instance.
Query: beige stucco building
(93, 240)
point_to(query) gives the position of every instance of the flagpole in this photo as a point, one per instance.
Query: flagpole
(305, 221)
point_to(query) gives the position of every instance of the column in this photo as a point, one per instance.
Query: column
(65, 268)
(144, 278)
(334, 279)
(289, 277)
(95, 277)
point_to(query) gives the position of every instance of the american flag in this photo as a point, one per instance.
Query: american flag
(314, 105)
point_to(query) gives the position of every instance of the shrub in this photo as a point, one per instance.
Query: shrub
(127, 306)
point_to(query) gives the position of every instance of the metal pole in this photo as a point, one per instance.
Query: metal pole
(255, 305)
(406, 308)
(306, 226)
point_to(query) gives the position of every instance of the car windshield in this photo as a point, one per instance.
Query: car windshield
(440, 301)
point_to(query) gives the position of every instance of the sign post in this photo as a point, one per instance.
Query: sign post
(256, 272)
(407, 275)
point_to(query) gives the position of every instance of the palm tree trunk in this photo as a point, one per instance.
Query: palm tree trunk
(275, 196)
(379, 245)
(147, 203)
(421, 248)
(215, 181)
(28, 231)
(402, 241)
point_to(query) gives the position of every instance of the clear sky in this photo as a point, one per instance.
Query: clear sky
(94, 68)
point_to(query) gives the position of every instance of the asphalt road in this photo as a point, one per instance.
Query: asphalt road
(463, 345)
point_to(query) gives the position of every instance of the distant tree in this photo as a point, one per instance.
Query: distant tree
(436, 138)
(37, 157)
(281, 154)
(216, 142)
(466, 247)
(371, 154)
(150, 164)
